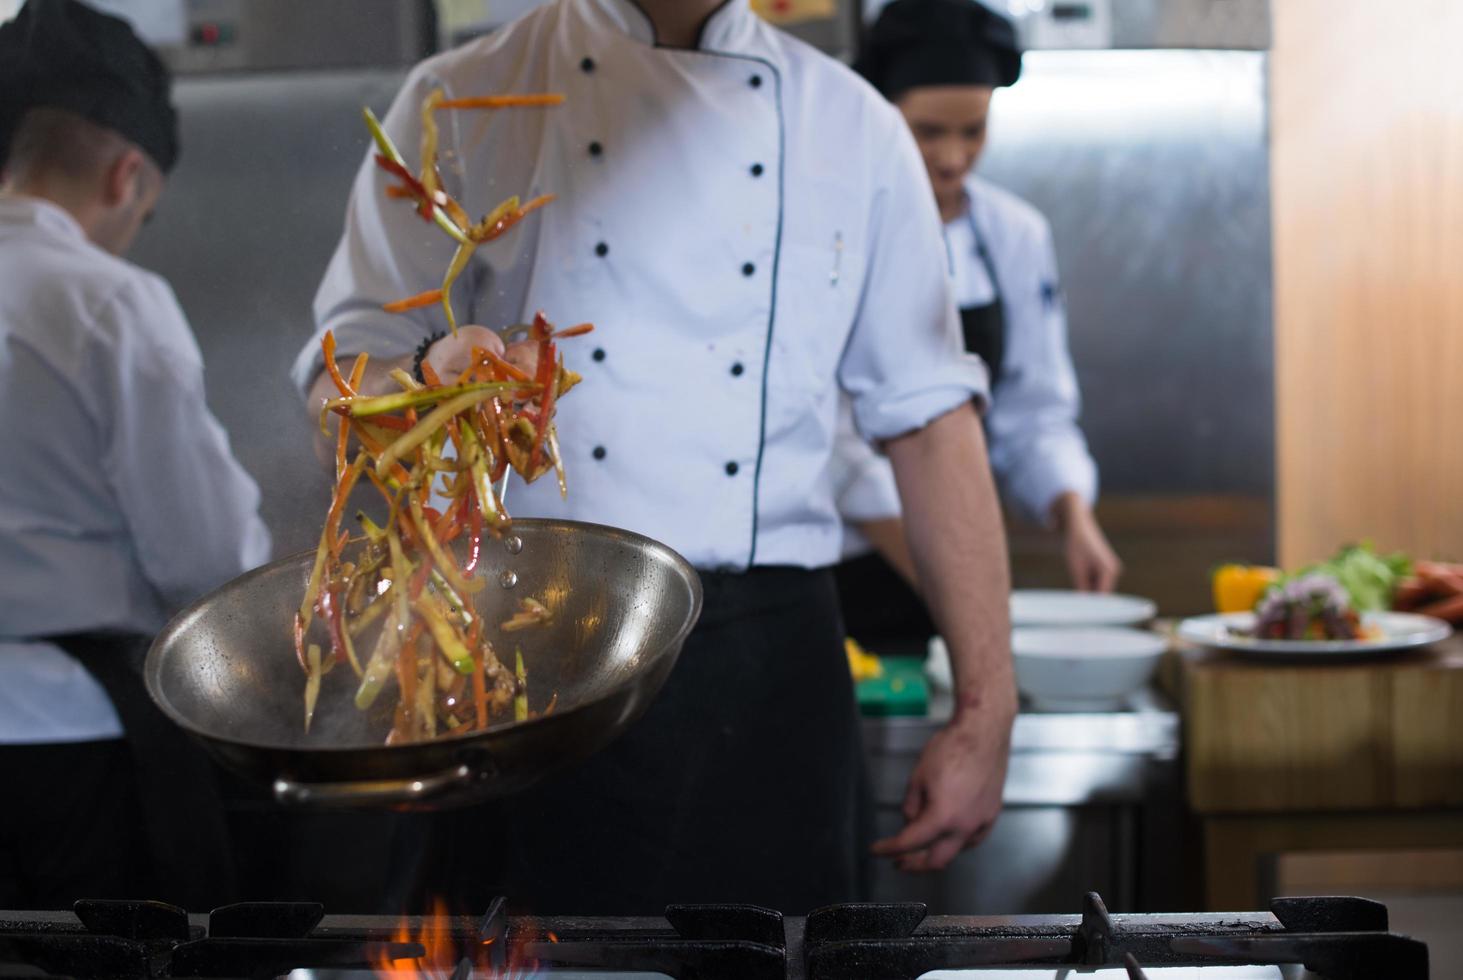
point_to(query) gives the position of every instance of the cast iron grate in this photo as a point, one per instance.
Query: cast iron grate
(1336, 938)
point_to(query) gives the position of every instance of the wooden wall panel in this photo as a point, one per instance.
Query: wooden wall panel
(1367, 198)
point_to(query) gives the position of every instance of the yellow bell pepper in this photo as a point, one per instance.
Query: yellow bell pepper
(863, 665)
(1237, 588)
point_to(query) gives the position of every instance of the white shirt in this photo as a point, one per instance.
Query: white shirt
(766, 242)
(119, 499)
(1036, 448)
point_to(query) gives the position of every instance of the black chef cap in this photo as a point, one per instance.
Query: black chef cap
(62, 54)
(938, 42)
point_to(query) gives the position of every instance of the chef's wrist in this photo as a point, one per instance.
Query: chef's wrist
(1069, 511)
(984, 700)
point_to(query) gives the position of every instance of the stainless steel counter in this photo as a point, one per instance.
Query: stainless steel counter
(1092, 802)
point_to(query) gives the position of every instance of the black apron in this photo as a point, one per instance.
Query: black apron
(984, 326)
(188, 860)
(879, 608)
(744, 782)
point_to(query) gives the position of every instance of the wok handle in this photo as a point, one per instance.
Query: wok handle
(373, 792)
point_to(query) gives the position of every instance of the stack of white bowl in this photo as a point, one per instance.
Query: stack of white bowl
(1074, 651)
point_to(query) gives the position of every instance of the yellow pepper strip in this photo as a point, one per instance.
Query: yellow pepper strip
(482, 483)
(442, 561)
(381, 664)
(453, 648)
(520, 700)
(429, 142)
(558, 461)
(365, 407)
(312, 684)
(389, 150)
(459, 262)
(429, 425)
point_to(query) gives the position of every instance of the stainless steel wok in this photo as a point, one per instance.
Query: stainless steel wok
(225, 670)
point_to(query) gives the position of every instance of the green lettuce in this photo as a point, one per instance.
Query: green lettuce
(1368, 578)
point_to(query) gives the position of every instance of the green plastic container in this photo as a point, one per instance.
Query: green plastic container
(901, 691)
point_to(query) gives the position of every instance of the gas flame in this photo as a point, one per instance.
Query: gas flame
(457, 956)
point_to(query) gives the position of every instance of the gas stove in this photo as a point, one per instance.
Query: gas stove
(1332, 938)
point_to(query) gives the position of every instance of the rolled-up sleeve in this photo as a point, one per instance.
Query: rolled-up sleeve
(1037, 450)
(905, 364)
(863, 481)
(386, 252)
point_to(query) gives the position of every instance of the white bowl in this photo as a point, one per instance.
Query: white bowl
(1089, 668)
(1064, 607)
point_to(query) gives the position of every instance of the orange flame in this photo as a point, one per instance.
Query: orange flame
(445, 952)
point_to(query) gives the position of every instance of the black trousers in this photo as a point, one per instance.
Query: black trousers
(744, 781)
(880, 610)
(68, 826)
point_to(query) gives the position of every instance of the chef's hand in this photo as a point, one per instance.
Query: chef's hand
(954, 795)
(1091, 562)
(451, 355)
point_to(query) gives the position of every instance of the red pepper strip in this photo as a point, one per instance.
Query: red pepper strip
(330, 609)
(499, 227)
(541, 329)
(578, 331)
(389, 422)
(501, 101)
(399, 192)
(300, 643)
(500, 460)
(429, 373)
(547, 371)
(413, 302)
(413, 186)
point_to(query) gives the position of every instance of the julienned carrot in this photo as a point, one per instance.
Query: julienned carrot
(512, 371)
(413, 302)
(501, 101)
(401, 575)
(328, 348)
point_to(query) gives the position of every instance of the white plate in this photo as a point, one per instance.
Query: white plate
(1400, 631)
(1043, 607)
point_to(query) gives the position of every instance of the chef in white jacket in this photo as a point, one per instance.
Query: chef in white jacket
(119, 498)
(744, 221)
(939, 61)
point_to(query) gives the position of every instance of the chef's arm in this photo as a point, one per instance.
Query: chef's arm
(953, 523)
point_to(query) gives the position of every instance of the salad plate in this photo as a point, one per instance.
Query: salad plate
(1385, 632)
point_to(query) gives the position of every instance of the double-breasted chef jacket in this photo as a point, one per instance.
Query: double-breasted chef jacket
(746, 223)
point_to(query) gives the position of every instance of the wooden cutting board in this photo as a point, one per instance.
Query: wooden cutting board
(1384, 734)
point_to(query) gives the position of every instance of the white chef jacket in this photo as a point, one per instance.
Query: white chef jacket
(1037, 451)
(744, 222)
(119, 498)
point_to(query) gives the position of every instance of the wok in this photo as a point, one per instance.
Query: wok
(225, 670)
